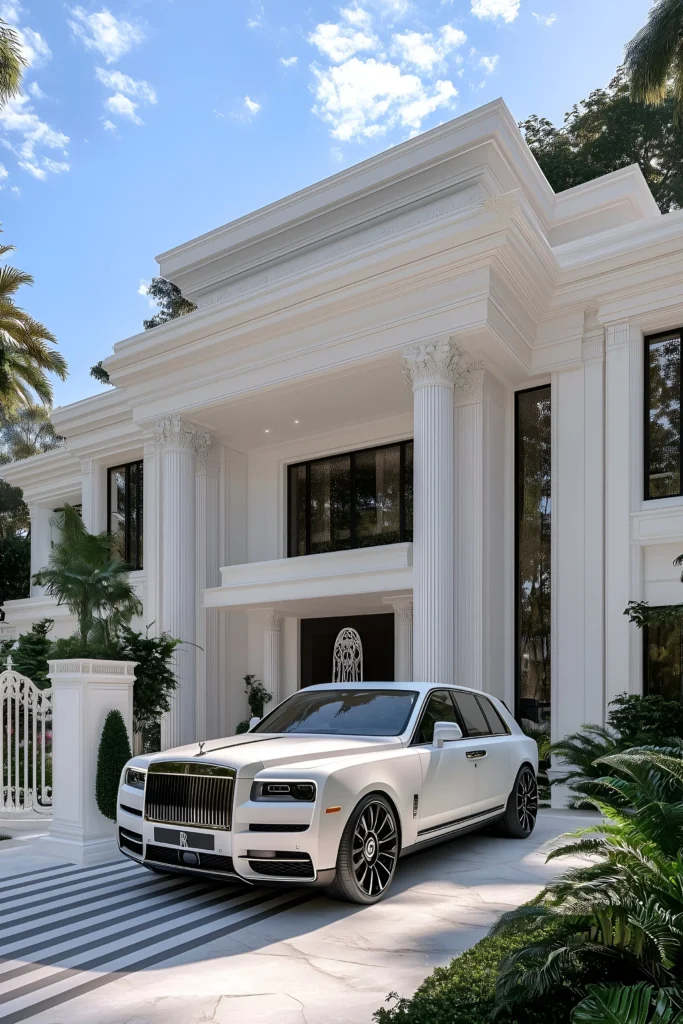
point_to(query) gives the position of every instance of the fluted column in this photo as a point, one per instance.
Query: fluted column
(403, 637)
(207, 576)
(431, 368)
(271, 655)
(178, 443)
(469, 525)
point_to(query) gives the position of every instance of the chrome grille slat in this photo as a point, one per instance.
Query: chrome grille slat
(192, 797)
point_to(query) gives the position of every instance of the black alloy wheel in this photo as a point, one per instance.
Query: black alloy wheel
(519, 819)
(368, 852)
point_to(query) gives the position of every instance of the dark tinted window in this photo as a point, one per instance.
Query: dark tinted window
(472, 715)
(341, 712)
(663, 422)
(125, 506)
(439, 708)
(498, 727)
(664, 660)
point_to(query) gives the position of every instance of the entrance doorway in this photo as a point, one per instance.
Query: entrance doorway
(317, 647)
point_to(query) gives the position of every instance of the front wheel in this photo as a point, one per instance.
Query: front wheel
(519, 819)
(368, 853)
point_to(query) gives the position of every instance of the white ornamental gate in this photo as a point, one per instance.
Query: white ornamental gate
(25, 747)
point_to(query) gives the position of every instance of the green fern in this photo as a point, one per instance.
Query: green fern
(629, 1004)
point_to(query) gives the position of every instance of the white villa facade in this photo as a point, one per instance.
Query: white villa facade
(421, 399)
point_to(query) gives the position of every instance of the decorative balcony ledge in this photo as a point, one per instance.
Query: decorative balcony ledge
(336, 574)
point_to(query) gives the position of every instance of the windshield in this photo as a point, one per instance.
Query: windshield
(342, 712)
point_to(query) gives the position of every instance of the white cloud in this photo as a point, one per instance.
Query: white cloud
(340, 40)
(123, 107)
(489, 64)
(392, 8)
(108, 125)
(34, 89)
(4, 173)
(103, 32)
(544, 19)
(505, 9)
(142, 290)
(119, 82)
(56, 166)
(9, 11)
(362, 99)
(16, 190)
(34, 48)
(288, 62)
(251, 106)
(18, 118)
(423, 51)
(37, 172)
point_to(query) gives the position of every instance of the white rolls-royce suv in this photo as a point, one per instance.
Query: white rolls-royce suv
(332, 787)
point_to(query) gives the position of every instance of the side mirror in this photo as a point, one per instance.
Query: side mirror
(446, 732)
(253, 721)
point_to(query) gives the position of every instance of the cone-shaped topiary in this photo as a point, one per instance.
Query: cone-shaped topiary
(113, 753)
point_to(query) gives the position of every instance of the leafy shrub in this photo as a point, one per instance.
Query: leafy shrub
(112, 755)
(464, 992)
(629, 1004)
(620, 917)
(257, 698)
(650, 718)
(30, 652)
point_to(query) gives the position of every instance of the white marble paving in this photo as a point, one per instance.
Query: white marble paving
(322, 962)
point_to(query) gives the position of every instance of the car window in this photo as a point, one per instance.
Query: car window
(472, 715)
(439, 708)
(498, 726)
(342, 712)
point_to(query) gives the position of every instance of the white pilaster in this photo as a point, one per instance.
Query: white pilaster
(431, 367)
(623, 487)
(40, 543)
(469, 526)
(94, 495)
(272, 655)
(178, 444)
(207, 654)
(403, 636)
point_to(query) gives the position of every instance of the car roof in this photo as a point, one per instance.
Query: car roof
(380, 684)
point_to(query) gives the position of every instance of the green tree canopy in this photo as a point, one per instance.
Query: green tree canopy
(654, 57)
(608, 131)
(170, 300)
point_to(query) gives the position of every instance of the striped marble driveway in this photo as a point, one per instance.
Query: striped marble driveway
(67, 931)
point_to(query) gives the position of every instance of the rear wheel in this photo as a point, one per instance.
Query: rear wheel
(368, 853)
(519, 819)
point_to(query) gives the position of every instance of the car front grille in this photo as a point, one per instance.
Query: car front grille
(189, 793)
(130, 840)
(207, 861)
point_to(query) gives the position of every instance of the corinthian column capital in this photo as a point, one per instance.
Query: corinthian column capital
(432, 362)
(174, 432)
(469, 382)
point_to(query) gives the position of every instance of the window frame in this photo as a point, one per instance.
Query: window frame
(415, 741)
(676, 332)
(351, 454)
(645, 688)
(484, 703)
(466, 733)
(136, 563)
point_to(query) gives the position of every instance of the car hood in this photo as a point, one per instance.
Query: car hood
(250, 753)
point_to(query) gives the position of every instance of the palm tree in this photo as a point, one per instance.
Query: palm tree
(26, 355)
(12, 63)
(85, 575)
(654, 57)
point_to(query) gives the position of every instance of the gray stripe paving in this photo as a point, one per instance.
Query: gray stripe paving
(114, 920)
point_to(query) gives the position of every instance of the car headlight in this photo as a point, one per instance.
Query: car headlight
(284, 791)
(135, 778)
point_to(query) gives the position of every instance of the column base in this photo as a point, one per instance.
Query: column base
(83, 853)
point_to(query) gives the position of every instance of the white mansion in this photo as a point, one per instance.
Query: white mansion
(426, 399)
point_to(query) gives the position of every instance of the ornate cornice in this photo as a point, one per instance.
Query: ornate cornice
(502, 207)
(174, 432)
(432, 362)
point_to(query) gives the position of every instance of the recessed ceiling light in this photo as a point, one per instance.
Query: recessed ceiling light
(296, 421)
(266, 431)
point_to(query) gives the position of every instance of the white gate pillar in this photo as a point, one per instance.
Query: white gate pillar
(178, 443)
(83, 694)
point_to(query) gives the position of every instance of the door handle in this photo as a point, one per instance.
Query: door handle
(475, 754)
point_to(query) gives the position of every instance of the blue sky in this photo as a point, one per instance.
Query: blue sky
(147, 122)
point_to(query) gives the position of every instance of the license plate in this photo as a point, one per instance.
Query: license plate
(185, 840)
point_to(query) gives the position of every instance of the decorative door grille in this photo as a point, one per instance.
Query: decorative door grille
(25, 746)
(347, 660)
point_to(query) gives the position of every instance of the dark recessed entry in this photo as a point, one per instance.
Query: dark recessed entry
(317, 646)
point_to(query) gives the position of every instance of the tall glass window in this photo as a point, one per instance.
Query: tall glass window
(663, 649)
(663, 416)
(125, 511)
(355, 500)
(533, 521)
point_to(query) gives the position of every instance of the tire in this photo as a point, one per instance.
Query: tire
(368, 853)
(519, 819)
